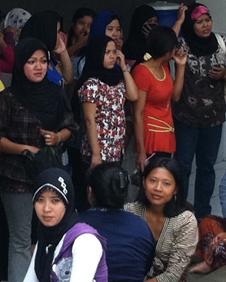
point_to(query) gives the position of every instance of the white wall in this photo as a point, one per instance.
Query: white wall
(218, 12)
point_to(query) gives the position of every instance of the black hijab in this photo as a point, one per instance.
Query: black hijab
(59, 181)
(43, 25)
(94, 63)
(43, 99)
(199, 46)
(135, 46)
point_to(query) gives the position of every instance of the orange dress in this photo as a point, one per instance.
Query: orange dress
(158, 122)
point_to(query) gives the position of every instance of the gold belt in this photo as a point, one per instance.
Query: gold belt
(158, 128)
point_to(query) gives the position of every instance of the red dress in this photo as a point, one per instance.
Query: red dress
(158, 122)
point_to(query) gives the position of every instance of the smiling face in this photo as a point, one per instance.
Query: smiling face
(49, 208)
(203, 26)
(110, 55)
(36, 66)
(160, 187)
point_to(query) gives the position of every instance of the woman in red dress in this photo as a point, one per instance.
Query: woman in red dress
(154, 129)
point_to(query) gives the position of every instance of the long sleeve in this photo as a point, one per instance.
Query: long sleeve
(177, 249)
(7, 60)
(30, 275)
(86, 252)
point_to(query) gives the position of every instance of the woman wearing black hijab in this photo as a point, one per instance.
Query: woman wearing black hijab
(200, 112)
(104, 87)
(66, 250)
(46, 26)
(33, 114)
(143, 19)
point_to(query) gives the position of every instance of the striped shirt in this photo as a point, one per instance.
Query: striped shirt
(175, 246)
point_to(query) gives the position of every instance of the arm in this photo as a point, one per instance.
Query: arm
(86, 253)
(31, 275)
(180, 19)
(139, 128)
(182, 248)
(66, 65)
(180, 58)
(10, 147)
(89, 110)
(7, 60)
(54, 138)
(131, 88)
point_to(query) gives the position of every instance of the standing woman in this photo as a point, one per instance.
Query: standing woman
(200, 112)
(32, 115)
(173, 225)
(46, 26)
(154, 129)
(104, 88)
(66, 250)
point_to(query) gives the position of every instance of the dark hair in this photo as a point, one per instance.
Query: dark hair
(177, 204)
(79, 13)
(109, 183)
(160, 41)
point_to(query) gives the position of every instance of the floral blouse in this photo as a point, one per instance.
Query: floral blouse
(202, 102)
(110, 117)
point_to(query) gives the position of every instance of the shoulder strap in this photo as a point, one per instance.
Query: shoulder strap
(221, 42)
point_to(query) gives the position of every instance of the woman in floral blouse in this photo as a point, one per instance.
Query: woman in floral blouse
(104, 87)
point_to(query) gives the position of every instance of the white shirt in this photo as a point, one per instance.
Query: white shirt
(86, 254)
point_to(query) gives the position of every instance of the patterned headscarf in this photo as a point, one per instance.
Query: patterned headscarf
(17, 18)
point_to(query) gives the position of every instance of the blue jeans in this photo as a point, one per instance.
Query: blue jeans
(18, 210)
(222, 193)
(204, 143)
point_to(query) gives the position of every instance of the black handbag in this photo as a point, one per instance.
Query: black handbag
(48, 156)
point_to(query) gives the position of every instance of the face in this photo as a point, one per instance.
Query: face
(110, 55)
(160, 187)
(50, 208)
(203, 26)
(152, 21)
(82, 26)
(113, 30)
(36, 66)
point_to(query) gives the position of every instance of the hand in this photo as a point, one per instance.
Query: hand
(121, 60)
(217, 72)
(181, 13)
(60, 45)
(32, 149)
(141, 157)
(146, 28)
(180, 56)
(220, 237)
(51, 138)
(95, 160)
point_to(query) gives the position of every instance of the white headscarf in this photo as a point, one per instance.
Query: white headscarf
(17, 18)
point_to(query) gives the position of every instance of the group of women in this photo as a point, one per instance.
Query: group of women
(181, 116)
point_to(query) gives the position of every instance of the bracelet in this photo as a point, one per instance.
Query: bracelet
(125, 70)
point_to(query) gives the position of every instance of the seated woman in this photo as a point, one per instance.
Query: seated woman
(66, 250)
(173, 225)
(212, 244)
(130, 244)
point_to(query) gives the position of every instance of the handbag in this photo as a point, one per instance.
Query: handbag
(47, 157)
